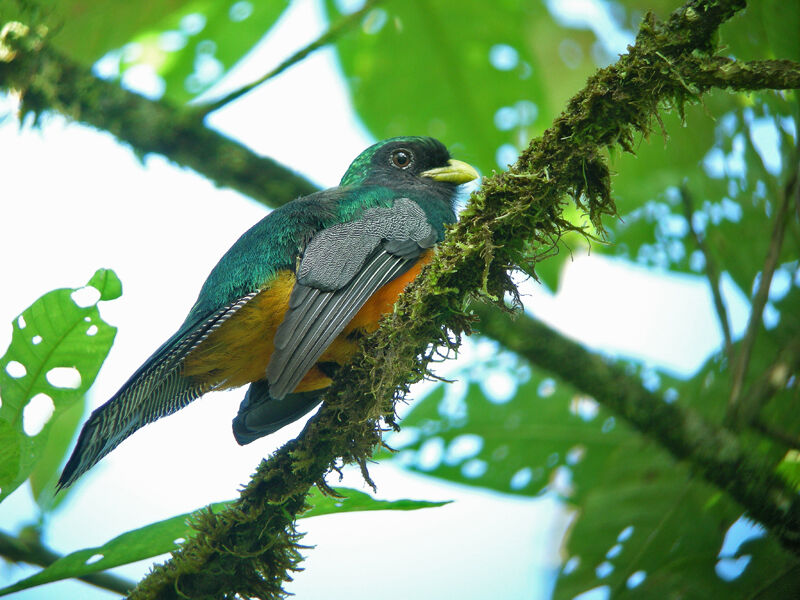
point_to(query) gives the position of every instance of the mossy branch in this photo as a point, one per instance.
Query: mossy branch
(725, 73)
(250, 549)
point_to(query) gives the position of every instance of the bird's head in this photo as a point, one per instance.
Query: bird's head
(409, 163)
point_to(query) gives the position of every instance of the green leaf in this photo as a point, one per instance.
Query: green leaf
(443, 52)
(789, 468)
(107, 283)
(638, 512)
(651, 530)
(192, 48)
(81, 29)
(45, 472)
(356, 501)
(191, 44)
(56, 350)
(523, 445)
(139, 544)
(167, 535)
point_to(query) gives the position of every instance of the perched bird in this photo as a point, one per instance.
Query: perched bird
(284, 307)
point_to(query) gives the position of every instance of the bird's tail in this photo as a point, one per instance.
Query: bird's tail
(129, 409)
(157, 389)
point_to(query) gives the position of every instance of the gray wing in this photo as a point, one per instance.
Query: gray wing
(155, 390)
(341, 268)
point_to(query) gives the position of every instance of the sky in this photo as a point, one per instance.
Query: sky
(161, 228)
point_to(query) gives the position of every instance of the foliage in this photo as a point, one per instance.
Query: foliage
(57, 348)
(164, 536)
(698, 196)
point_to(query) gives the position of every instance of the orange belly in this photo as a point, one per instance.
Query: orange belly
(239, 351)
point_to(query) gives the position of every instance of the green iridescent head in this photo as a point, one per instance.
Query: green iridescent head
(403, 161)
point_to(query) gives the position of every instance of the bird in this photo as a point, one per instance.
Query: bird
(286, 305)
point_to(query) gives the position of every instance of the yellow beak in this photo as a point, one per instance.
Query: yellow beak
(456, 171)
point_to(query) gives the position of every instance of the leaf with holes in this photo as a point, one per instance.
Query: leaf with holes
(643, 527)
(165, 536)
(545, 437)
(57, 347)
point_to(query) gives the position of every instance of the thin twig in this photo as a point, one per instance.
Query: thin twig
(330, 35)
(773, 380)
(712, 272)
(762, 294)
(787, 439)
(32, 551)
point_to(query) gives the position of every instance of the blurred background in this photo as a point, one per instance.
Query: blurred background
(554, 496)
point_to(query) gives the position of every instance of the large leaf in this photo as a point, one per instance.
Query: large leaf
(407, 52)
(652, 531)
(139, 544)
(167, 535)
(483, 78)
(87, 29)
(192, 48)
(56, 350)
(544, 436)
(644, 526)
(733, 197)
(181, 47)
(727, 156)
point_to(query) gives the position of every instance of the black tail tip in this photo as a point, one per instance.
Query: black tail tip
(64, 482)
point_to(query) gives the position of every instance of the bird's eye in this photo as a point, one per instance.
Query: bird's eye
(402, 158)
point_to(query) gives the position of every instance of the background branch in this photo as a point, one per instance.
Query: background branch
(725, 73)
(791, 193)
(48, 80)
(29, 549)
(711, 270)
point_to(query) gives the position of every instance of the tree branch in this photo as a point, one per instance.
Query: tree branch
(29, 549)
(48, 80)
(726, 73)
